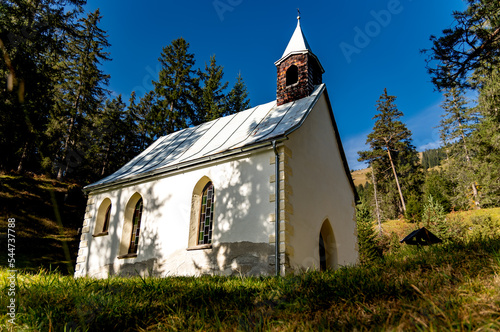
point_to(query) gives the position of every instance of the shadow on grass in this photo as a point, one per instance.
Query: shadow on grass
(40, 240)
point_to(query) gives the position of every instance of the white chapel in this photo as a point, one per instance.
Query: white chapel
(266, 191)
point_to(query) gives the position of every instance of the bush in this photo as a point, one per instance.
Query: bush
(367, 239)
(413, 209)
(434, 219)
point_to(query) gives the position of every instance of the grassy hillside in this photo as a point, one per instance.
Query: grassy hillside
(48, 214)
(452, 287)
(360, 176)
(449, 287)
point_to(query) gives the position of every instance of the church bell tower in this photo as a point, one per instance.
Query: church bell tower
(299, 70)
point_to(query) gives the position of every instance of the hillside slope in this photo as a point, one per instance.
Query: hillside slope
(47, 216)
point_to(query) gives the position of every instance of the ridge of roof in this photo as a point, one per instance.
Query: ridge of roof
(251, 127)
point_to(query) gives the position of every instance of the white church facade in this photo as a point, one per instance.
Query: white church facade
(261, 192)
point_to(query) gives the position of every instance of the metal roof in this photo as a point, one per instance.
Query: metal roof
(254, 126)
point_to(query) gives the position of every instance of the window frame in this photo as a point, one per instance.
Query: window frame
(103, 219)
(136, 227)
(194, 223)
(202, 227)
(129, 232)
(289, 74)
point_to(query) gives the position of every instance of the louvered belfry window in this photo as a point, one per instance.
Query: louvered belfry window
(206, 215)
(136, 228)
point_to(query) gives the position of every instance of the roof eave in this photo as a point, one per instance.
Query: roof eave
(161, 171)
(278, 62)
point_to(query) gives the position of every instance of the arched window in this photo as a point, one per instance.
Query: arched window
(107, 216)
(103, 218)
(131, 227)
(136, 228)
(292, 75)
(201, 223)
(206, 215)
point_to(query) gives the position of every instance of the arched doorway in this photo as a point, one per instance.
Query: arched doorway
(327, 247)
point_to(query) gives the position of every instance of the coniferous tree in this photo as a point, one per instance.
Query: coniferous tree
(457, 126)
(112, 129)
(212, 101)
(467, 55)
(81, 90)
(439, 186)
(368, 250)
(486, 138)
(137, 117)
(391, 149)
(237, 99)
(471, 43)
(32, 39)
(175, 90)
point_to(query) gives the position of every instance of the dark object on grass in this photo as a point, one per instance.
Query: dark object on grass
(422, 237)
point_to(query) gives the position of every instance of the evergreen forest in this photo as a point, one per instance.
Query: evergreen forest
(61, 128)
(57, 116)
(462, 174)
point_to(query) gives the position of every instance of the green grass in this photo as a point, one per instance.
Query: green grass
(453, 287)
(450, 287)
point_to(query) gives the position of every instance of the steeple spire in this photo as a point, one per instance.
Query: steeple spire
(299, 70)
(297, 44)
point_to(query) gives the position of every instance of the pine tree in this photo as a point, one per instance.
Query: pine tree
(471, 43)
(81, 90)
(32, 39)
(391, 148)
(112, 131)
(237, 99)
(212, 101)
(487, 138)
(175, 90)
(457, 125)
(368, 250)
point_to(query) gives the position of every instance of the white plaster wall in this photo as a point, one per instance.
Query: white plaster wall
(321, 191)
(242, 210)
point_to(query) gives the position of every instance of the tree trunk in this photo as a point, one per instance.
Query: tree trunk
(76, 105)
(106, 160)
(469, 162)
(24, 156)
(397, 181)
(61, 172)
(377, 209)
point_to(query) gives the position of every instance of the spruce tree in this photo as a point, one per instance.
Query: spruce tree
(487, 138)
(112, 130)
(237, 99)
(175, 90)
(472, 42)
(367, 238)
(457, 125)
(391, 149)
(81, 90)
(33, 35)
(212, 101)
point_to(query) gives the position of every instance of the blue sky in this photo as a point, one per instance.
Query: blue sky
(363, 45)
